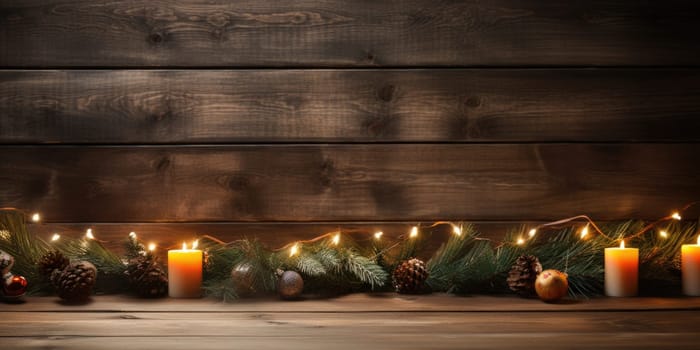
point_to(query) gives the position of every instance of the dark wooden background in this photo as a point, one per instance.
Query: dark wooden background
(284, 119)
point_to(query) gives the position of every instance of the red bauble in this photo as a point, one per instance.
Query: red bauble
(15, 287)
(551, 285)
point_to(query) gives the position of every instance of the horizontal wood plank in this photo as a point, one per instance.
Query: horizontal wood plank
(464, 105)
(420, 339)
(96, 324)
(421, 182)
(356, 303)
(334, 33)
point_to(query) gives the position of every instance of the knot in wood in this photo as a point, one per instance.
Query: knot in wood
(156, 38)
(473, 101)
(386, 93)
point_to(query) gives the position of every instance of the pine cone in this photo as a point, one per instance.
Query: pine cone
(53, 260)
(75, 282)
(410, 276)
(522, 276)
(147, 278)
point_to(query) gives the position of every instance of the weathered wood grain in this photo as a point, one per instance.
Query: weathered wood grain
(336, 33)
(464, 105)
(287, 324)
(421, 339)
(421, 182)
(354, 303)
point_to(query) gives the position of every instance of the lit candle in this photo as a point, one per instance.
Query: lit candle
(690, 265)
(621, 271)
(185, 272)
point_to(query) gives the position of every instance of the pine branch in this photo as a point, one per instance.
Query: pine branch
(365, 270)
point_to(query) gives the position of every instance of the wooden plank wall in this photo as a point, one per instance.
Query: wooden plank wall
(282, 119)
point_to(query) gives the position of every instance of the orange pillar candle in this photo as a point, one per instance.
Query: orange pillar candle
(621, 271)
(690, 265)
(185, 273)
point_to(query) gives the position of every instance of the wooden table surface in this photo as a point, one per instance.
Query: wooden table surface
(358, 321)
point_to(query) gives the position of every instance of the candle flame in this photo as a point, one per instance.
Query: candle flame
(36, 217)
(520, 241)
(184, 246)
(151, 247)
(294, 250)
(532, 232)
(622, 244)
(195, 244)
(676, 216)
(584, 232)
(663, 234)
(55, 237)
(132, 234)
(414, 232)
(336, 239)
(88, 234)
(457, 230)
(378, 234)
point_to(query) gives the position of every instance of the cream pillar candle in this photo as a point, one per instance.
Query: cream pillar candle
(690, 265)
(621, 271)
(185, 272)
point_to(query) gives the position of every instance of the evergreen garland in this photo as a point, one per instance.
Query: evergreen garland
(465, 263)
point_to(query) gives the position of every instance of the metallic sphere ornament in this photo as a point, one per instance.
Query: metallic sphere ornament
(290, 285)
(15, 287)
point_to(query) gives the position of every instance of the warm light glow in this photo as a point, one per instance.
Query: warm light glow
(195, 244)
(532, 232)
(378, 234)
(336, 239)
(184, 246)
(698, 239)
(89, 234)
(622, 244)
(55, 237)
(676, 216)
(151, 247)
(663, 234)
(294, 250)
(457, 230)
(520, 241)
(414, 232)
(584, 232)
(132, 234)
(36, 217)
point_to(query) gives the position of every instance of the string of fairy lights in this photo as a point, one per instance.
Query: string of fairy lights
(334, 237)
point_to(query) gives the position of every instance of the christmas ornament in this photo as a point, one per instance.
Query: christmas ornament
(6, 263)
(242, 277)
(75, 282)
(290, 285)
(146, 277)
(410, 276)
(521, 278)
(53, 260)
(551, 285)
(14, 286)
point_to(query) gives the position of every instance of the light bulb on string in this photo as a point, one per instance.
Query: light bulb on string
(151, 247)
(676, 216)
(663, 234)
(55, 237)
(532, 232)
(88, 234)
(36, 217)
(378, 235)
(336, 239)
(414, 232)
(457, 230)
(132, 235)
(584, 232)
(520, 241)
(294, 250)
